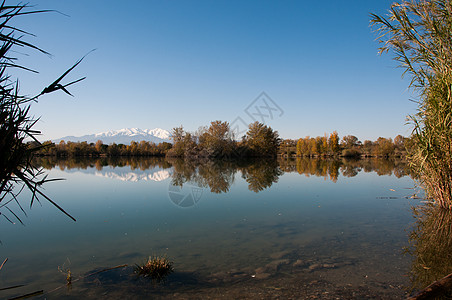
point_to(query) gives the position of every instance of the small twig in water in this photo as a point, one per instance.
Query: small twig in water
(28, 295)
(91, 274)
(3, 263)
(12, 287)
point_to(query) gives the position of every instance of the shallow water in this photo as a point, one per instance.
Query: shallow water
(250, 230)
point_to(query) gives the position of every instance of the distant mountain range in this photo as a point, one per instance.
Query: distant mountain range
(122, 136)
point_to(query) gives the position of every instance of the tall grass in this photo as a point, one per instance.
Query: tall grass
(419, 35)
(16, 125)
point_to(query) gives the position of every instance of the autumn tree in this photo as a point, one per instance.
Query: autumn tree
(324, 146)
(177, 135)
(99, 145)
(351, 146)
(350, 141)
(303, 147)
(333, 142)
(113, 150)
(288, 147)
(262, 140)
(216, 141)
(190, 146)
(368, 148)
(385, 147)
(314, 145)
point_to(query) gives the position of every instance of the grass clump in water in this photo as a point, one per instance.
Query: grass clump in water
(156, 267)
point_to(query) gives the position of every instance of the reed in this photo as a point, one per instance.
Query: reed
(418, 33)
(17, 171)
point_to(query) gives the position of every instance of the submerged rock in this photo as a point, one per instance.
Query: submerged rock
(318, 266)
(329, 266)
(276, 264)
(314, 267)
(298, 263)
(262, 275)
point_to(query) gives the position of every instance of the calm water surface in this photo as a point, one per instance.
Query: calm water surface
(246, 230)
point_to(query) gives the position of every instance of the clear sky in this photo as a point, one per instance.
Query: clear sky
(170, 63)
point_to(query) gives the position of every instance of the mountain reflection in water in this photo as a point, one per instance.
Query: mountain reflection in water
(227, 226)
(218, 175)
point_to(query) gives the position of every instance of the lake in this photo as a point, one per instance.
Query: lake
(292, 228)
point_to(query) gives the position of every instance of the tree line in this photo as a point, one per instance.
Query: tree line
(349, 146)
(98, 149)
(217, 141)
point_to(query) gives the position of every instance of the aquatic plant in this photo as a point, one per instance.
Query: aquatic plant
(156, 267)
(64, 269)
(17, 171)
(418, 33)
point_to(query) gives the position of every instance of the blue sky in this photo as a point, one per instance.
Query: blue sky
(170, 63)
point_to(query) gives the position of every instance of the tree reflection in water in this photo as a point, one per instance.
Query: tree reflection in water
(261, 174)
(218, 175)
(135, 163)
(430, 246)
(331, 168)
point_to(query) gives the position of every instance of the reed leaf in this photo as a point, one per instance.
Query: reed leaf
(419, 36)
(16, 125)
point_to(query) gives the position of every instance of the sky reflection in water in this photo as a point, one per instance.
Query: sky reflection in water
(210, 218)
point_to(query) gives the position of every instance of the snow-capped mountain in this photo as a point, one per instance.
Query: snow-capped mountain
(122, 136)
